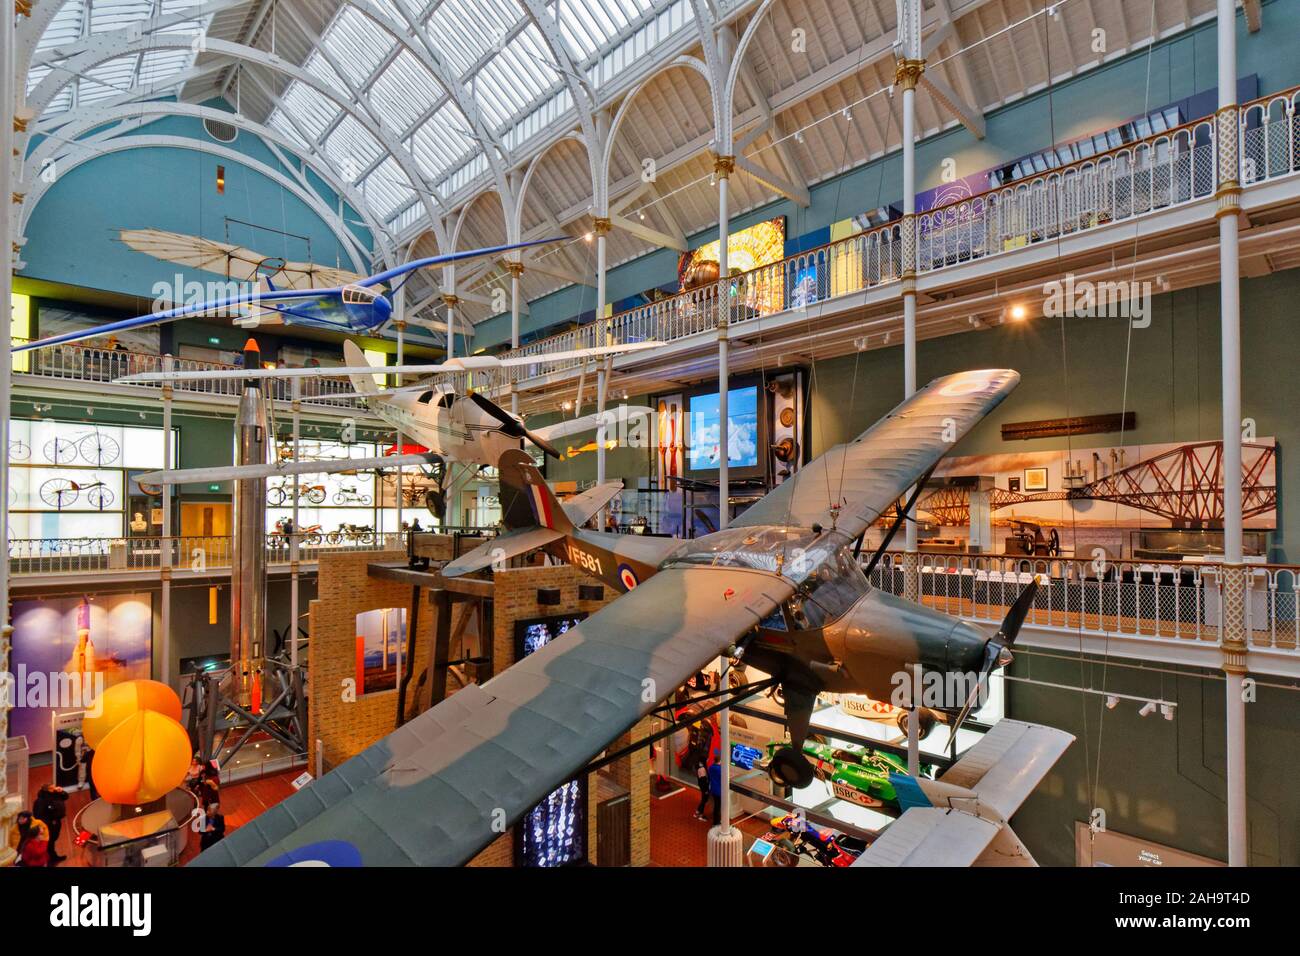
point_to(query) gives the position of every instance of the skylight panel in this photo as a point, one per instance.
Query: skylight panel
(404, 91)
(357, 44)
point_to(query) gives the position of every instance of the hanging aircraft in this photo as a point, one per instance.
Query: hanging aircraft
(781, 588)
(447, 428)
(352, 307)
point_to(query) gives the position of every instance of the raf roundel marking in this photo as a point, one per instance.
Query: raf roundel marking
(627, 576)
(323, 853)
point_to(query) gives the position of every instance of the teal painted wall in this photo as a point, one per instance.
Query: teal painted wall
(1156, 779)
(1099, 99)
(72, 234)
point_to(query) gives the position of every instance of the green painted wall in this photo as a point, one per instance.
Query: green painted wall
(1156, 779)
(1167, 374)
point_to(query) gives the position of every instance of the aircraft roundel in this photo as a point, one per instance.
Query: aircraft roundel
(323, 853)
(627, 576)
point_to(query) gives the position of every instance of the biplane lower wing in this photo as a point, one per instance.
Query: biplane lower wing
(961, 818)
(443, 786)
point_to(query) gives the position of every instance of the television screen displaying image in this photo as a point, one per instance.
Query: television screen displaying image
(742, 418)
(553, 833)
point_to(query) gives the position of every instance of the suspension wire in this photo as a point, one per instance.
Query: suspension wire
(831, 498)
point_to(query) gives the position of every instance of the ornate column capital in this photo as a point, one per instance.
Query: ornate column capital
(907, 233)
(23, 8)
(20, 124)
(1233, 597)
(723, 166)
(601, 225)
(516, 269)
(907, 72)
(912, 576)
(1227, 152)
(450, 299)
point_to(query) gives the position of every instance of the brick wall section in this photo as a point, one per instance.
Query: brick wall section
(345, 589)
(345, 729)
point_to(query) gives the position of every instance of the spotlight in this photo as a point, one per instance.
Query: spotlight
(798, 136)
(848, 115)
(586, 237)
(1111, 701)
(1148, 708)
(1167, 711)
(1017, 312)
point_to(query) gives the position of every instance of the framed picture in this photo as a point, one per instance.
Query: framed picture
(1035, 479)
(1013, 484)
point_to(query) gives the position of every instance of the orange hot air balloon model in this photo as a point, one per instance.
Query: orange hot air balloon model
(121, 701)
(143, 758)
(141, 750)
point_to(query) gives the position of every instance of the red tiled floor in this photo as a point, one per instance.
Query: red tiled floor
(240, 802)
(678, 839)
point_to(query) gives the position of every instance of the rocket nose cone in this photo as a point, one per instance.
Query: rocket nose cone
(251, 346)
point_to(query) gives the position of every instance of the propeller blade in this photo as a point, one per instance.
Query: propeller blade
(543, 444)
(995, 651)
(509, 424)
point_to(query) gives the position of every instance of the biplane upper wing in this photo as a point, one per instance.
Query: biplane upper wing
(851, 485)
(444, 785)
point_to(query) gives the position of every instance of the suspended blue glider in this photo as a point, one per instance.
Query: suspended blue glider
(355, 308)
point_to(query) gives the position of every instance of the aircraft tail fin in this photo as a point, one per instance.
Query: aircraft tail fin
(526, 500)
(363, 383)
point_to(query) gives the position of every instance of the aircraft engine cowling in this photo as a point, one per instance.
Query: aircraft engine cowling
(884, 635)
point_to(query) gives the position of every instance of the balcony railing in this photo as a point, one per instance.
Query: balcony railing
(54, 556)
(1174, 600)
(82, 363)
(1162, 171)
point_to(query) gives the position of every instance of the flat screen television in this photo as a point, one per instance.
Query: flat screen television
(553, 833)
(704, 421)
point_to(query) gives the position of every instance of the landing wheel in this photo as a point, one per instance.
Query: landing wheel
(790, 768)
(436, 502)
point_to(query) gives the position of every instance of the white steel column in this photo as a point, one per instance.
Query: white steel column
(165, 549)
(399, 309)
(601, 226)
(723, 167)
(1235, 592)
(907, 74)
(449, 299)
(725, 849)
(516, 273)
(295, 538)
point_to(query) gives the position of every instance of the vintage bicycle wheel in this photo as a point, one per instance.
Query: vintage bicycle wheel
(340, 498)
(58, 493)
(99, 449)
(19, 450)
(60, 452)
(275, 496)
(100, 498)
(316, 495)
